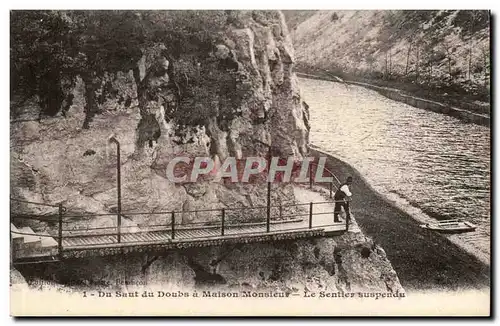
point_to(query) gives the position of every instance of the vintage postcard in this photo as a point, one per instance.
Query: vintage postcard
(250, 163)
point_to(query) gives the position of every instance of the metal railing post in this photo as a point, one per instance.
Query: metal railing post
(119, 227)
(310, 215)
(173, 225)
(59, 238)
(223, 220)
(268, 206)
(118, 188)
(310, 176)
(331, 189)
(348, 217)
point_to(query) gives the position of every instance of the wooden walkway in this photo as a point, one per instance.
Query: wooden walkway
(76, 241)
(29, 246)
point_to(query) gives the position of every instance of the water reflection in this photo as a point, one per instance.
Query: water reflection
(434, 161)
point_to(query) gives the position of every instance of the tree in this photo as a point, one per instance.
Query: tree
(386, 73)
(390, 62)
(41, 54)
(449, 59)
(50, 48)
(474, 15)
(417, 64)
(408, 57)
(486, 65)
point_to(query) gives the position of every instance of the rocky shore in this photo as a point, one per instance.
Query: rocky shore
(423, 260)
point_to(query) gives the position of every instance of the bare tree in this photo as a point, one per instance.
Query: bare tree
(408, 58)
(448, 57)
(474, 15)
(386, 65)
(428, 57)
(486, 64)
(417, 64)
(390, 62)
(370, 60)
(470, 59)
(430, 62)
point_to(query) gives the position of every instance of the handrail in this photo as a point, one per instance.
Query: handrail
(35, 234)
(207, 224)
(330, 172)
(330, 184)
(173, 228)
(34, 203)
(33, 216)
(60, 211)
(201, 210)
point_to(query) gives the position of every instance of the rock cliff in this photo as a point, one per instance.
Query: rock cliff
(350, 263)
(236, 95)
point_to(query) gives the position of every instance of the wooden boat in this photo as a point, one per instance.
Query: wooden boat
(450, 226)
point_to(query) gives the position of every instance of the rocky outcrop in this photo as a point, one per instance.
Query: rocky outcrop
(350, 263)
(17, 281)
(68, 158)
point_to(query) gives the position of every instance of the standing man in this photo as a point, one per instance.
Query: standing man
(342, 198)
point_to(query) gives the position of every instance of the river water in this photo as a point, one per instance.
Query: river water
(431, 161)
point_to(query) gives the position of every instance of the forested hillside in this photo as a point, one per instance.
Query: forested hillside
(443, 52)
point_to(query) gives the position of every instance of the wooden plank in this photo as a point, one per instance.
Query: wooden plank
(100, 244)
(210, 237)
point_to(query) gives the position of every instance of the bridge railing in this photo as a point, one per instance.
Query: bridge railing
(54, 215)
(175, 225)
(330, 185)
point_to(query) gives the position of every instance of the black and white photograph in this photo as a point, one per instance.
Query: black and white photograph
(250, 162)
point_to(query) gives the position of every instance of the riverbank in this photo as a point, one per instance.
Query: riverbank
(423, 260)
(418, 102)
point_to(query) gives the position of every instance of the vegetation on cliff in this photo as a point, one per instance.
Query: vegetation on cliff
(145, 77)
(428, 52)
(50, 49)
(164, 83)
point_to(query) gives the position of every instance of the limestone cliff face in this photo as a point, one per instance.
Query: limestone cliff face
(350, 263)
(68, 158)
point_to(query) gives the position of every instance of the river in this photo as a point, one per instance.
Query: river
(416, 158)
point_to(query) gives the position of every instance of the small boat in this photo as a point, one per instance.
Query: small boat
(450, 226)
